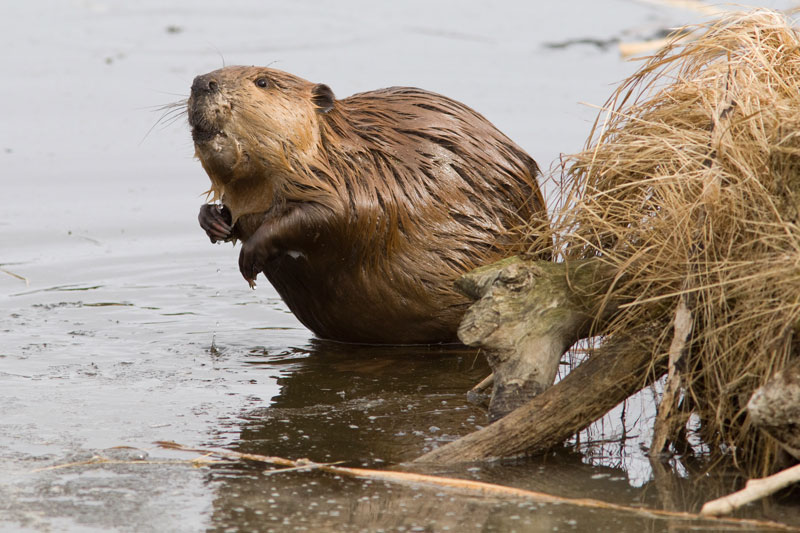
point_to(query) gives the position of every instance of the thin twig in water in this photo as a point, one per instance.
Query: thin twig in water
(13, 275)
(485, 383)
(100, 460)
(479, 487)
(302, 466)
(754, 490)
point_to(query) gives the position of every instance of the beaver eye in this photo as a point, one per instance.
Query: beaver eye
(262, 82)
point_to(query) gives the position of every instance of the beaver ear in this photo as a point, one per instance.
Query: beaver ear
(323, 98)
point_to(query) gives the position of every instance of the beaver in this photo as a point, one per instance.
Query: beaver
(362, 211)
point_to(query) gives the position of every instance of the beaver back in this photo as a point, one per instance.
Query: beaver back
(422, 189)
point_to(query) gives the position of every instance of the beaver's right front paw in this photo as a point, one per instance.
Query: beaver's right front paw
(216, 221)
(256, 252)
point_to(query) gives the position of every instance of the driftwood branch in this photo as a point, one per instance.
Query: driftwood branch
(527, 314)
(615, 371)
(666, 418)
(470, 487)
(754, 490)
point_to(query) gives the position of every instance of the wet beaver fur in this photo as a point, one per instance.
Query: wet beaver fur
(361, 212)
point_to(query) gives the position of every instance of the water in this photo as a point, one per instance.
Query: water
(130, 327)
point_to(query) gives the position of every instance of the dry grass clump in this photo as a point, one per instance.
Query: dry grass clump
(690, 185)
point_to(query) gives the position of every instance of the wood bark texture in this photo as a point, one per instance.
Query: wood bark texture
(527, 314)
(775, 408)
(615, 371)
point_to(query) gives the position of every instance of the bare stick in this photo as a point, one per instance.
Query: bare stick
(478, 394)
(665, 420)
(484, 384)
(473, 487)
(100, 460)
(755, 489)
(14, 275)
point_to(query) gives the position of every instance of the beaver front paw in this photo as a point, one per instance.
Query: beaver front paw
(255, 254)
(216, 221)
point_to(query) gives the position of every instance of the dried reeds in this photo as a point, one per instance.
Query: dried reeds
(690, 186)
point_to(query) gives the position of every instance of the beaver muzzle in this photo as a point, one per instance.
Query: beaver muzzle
(206, 109)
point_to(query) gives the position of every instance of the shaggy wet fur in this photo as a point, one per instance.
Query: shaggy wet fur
(387, 197)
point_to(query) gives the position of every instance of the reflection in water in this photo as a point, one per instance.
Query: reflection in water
(367, 404)
(379, 406)
(326, 503)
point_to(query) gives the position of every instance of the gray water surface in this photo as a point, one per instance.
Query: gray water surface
(130, 327)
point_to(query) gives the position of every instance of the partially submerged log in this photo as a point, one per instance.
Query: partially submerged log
(527, 314)
(614, 372)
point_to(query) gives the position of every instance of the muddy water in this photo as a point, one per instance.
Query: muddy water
(121, 325)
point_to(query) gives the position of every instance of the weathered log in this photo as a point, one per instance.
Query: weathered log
(775, 408)
(616, 370)
(527, 314)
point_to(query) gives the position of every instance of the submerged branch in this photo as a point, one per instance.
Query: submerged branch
(612, 373)
(476, 487)
(754, 490)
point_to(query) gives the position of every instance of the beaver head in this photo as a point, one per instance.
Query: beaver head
(252, 126)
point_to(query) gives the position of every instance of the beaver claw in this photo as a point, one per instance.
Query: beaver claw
(216, 221)
(256, 253)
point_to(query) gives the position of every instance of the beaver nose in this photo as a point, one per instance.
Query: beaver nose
(204, 84)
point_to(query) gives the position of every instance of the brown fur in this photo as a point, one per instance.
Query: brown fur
(389, 196)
